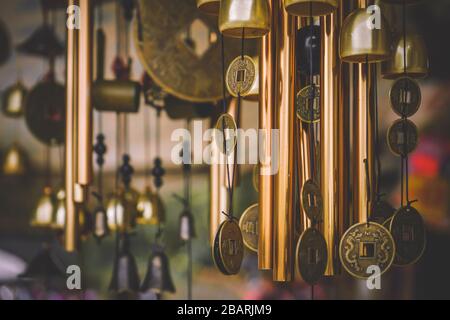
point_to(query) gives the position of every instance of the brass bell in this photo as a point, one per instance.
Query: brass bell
(59, 216)
(125, 278)
(43, 214)
(14, 100)
(416, 59)
(121, 210)
(186, 226)
(209, 6)
(361, 42)
(248, 18)
(14, 162)
(158, 278)
(306, 8)
(100, 223)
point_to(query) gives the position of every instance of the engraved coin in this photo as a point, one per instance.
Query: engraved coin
(303, 104)
(312, 200)
(249, 227)
(231, 246)
(366, 244)
(241, 76)
(408, 230)
(255, 179)
(405, 97)
(216, 252)
(312, 255)
(381, 211)
(402, 137)
(225, 134)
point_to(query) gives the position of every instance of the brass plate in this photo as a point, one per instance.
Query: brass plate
(312, 201)
(249, 227)
(231, 247)
(405, 97)
(402, 137)
(255, 179)
(312, 255)
(408, 230)
(381, 211)
(366, 244)
(168, 58)
(303, 104)
(241, 76)
(225, 128)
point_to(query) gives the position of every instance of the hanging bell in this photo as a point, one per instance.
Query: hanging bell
(248, 18)
(43, 214)
(360, 41)
(150, 208)
(158, 277)
(100, 221)
(43, 42)
(14, 100)
(43, 267)
(209, 6)
(416, 59)
(121, 210)
(125, 279)
(14, 162)
(59, 216)
(308, 50)
(186, 226)
(306, 8)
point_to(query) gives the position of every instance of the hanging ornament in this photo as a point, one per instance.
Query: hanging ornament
(154, 96)
(59, 216)
(43, 43)
(121, 210)
(308, 8)
(43, 213)
(211, 7)
(249, 227)
(14, 162)
(186, 226)
(242, 77)
(14, 100)
(150, 208)
(158, 277)
(308, 49)
(43, 267)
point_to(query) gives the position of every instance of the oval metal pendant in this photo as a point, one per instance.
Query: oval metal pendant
(312, 255)
(249, 227)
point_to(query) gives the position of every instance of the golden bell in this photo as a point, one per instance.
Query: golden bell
(209, 6)
(43, 214)
(306, 8)
(248, 18)
(14, 100)
(416, 59)
(14, 162)
(121, 210)
(360, 41)
(149, 208)
(59, 216)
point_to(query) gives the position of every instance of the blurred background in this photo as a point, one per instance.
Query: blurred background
(20, 243)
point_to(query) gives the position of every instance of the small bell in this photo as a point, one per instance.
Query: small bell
(158, 277)
(125, 279)
(121, 210)
(187, 226)
(100, 222)
(209, 6)
(407, 2)
(248, 18)
(14, 100)
(43, 267)
(59, 217)
(43, 214)
(308, 40)
(14, 162)
(306, 8)
(146, 208)
(416, 59)
(362, 42)
(115, 212)
(43, 42)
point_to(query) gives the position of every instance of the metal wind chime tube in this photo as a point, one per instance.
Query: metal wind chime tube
(266, 123)
(283, 238)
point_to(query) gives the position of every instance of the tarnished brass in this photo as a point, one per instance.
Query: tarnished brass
(226, 130)
(248, 18)
(158, 277)
(150, 208)
(116, 96)
(360, 42)
(255, 177)
(209, 6)
(59, 216)
(43, 213)
(249, 227)
(303, 7)
(13, 103)
(417, 63)
(242, 77)
(402, 137)
(14, 162)
(312, 201)
(230, 247)
(311, 255)
(121, 210)
(405, 97)
(303, 105)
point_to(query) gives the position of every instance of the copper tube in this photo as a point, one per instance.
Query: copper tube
(266, 114)
(84, 121)
(70, 239)
(283, 234)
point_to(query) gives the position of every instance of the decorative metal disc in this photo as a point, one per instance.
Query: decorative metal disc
(185, 67)
(408, 230)
(241, 75)
(226, 129)
(381, 211)
(405, 97)
(216, 252)
(231, 247)
(312, 201)
(255, 179)
(366, 244)
(303, 104)
(312, 255)
(402, 137)
(249, 227)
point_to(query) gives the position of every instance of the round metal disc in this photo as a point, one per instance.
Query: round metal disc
(303, 104)
(241, 75)
(312, 255)
(312, 200)
(405, 97)
(216, 252)
(225, 128)
(231, 246)
(249, 227)
(408, 230)
(255, 179)
(366, 244)
(402, 137)
(381, 211)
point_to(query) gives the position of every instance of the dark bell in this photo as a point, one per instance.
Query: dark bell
(43, 42)
(306, 43)
(125, 279)
(158, 277)
(186, 226)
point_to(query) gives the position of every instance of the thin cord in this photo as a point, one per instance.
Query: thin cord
(368, 200)
(312, 95)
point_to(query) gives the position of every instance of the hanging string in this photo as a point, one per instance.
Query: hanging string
(377, 137)
(187, 195)
(147, 139)
(366, 161)
(312, 95)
